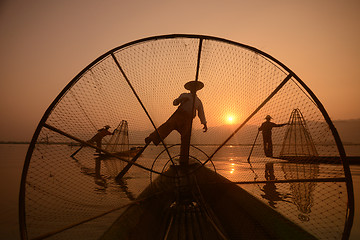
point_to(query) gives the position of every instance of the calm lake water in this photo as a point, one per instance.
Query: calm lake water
(11, 161)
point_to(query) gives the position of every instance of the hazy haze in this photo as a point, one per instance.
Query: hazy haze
(44, 44)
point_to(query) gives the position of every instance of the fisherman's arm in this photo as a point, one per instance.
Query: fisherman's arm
(201, 115)
(205, 127)
(182, 98)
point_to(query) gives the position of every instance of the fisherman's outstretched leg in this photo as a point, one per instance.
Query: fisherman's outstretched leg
(164, 130)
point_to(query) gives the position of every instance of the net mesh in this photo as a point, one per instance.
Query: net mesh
(63, 196)
(298, 140)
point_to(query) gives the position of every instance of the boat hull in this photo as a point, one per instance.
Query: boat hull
(200, 205)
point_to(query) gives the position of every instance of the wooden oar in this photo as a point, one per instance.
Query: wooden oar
(253, 146)
(128, 166)
(72, 155)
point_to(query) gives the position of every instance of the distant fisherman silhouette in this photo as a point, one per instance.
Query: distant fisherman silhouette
(98, 139)
(266, 129)
(181, 119)
(99, 136)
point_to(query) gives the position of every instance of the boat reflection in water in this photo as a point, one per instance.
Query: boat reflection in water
(298, 191)
(300, 194)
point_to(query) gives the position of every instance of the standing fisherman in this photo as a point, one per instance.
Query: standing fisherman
(181, 119)
(266, 128)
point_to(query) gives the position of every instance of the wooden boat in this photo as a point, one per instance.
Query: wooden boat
(355, 160)
(131, 153)
(200, 204)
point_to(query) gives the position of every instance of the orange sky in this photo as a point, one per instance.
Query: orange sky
(44, 44)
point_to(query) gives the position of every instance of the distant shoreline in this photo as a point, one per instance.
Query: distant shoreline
(72, 143)
(354, 158)
(14, 142)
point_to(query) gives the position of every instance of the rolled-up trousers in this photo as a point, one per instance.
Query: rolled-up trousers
(181, 122)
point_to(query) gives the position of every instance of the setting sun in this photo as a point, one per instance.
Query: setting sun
(230, 119)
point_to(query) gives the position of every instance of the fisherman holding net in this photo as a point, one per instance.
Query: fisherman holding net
(97, 138)
(266, 129)
(181, 119)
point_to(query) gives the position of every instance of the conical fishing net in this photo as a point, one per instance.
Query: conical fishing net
(118, 144)
(298, 140)
(132, 88)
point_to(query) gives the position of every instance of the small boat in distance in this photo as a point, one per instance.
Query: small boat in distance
(132, 152)
(128, 153)
(118, 144)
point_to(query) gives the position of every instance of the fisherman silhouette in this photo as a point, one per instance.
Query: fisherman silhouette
(98, 139)
(181, 119)
(99, 136)
(266, 129)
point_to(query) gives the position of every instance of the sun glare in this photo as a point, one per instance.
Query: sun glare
(230, 119)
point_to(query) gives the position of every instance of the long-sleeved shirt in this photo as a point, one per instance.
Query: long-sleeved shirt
(186, 103)
(267, 126)
(101, 133)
